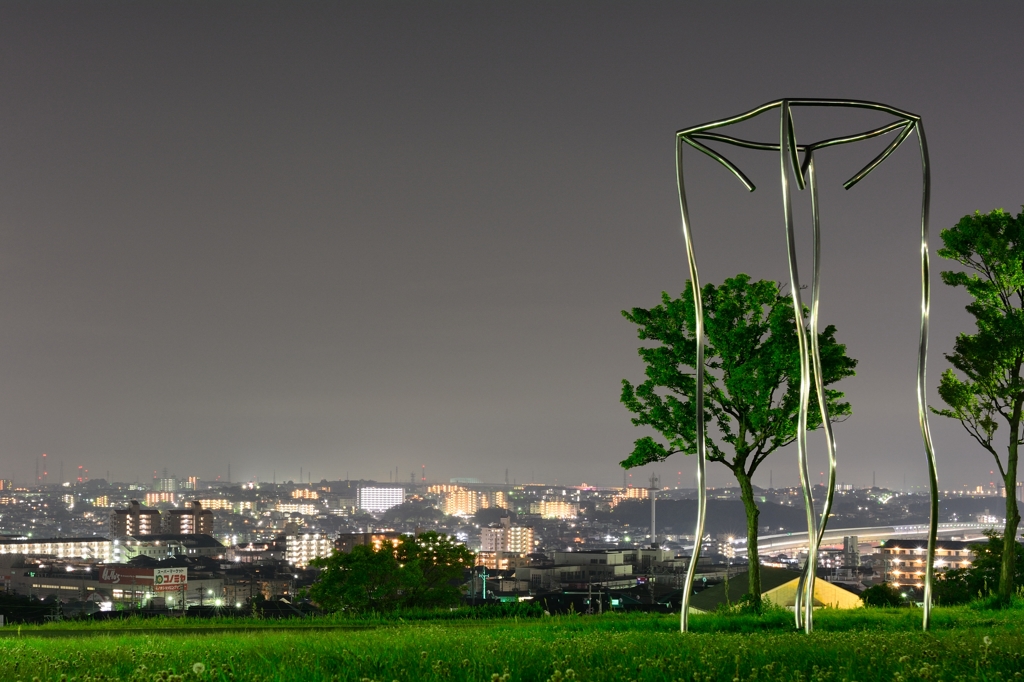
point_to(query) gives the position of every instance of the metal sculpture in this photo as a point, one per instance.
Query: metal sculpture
(810, 360)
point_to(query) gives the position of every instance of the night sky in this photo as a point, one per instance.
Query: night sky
(351, 237)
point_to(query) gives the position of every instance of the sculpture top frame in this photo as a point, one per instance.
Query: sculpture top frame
(803, 172)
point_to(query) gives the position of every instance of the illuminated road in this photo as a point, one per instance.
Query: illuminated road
(769, 544)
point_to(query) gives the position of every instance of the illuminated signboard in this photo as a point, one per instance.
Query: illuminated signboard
(170, 579)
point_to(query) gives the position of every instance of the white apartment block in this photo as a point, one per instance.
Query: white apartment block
(506, 538)
(379, 499)
(306, 509)
(301, 549)
(217, 504)
(94, 549)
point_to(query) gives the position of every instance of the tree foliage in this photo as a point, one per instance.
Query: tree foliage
(981, 578)
(752, 378)
(883, 594)
(751, 388)
(990, 361)
(433, 565)
(424, 571)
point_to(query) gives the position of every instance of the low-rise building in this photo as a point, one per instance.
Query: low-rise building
(611, 568)
(256, 553)
(903, 560)
(302, 508)
(87, 549)
(346, 541)
(501, 561)
(164, 546)
(54, 581)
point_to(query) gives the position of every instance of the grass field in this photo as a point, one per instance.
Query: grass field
(862, 645)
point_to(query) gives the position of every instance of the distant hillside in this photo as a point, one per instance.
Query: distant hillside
(723, 516)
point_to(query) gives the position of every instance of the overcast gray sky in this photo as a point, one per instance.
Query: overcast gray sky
(358, 236)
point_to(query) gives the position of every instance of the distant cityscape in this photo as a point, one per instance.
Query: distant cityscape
(181, 542)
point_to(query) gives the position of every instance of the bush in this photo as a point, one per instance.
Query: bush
(883, 594)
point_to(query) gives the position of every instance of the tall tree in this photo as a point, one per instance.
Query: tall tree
(422, 571)
(435, 565)
(751, 389)
(991, 247)
(361, 580)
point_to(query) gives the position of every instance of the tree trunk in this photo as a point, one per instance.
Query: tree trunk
(754, 565)
(1008, 568)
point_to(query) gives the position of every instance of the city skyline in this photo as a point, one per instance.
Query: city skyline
(355, 238)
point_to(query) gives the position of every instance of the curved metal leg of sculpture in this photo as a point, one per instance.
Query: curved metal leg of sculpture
(922, 366)
(809, 355)
(819, 383)
(698, 305)
(787, 149)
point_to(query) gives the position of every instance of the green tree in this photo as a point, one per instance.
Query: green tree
(361, 580)
(752, 383)
(883, 594)
(982, 577)
(425, 571)
(434, 566)
(991, 247)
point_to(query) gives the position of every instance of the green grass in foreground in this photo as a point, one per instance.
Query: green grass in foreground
(862, 645)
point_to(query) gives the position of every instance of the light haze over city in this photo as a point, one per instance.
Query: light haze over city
(359, 237)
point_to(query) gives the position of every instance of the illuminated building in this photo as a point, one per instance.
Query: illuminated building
(506, 538)
(460, 502)
(379, 499)
(903, 560)
(629, 494)
(191, 520)
(160, 498)
(301, 549)
(303, 494)
(134, 521)
(346, 541)
(90, 549)
(218, 505)
(501, 561)
(555, 509)
(167, 485)
(298, 508)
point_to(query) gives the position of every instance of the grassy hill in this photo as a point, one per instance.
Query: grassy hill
(863, 645)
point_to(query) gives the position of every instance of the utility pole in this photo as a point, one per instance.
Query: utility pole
(653, 493)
